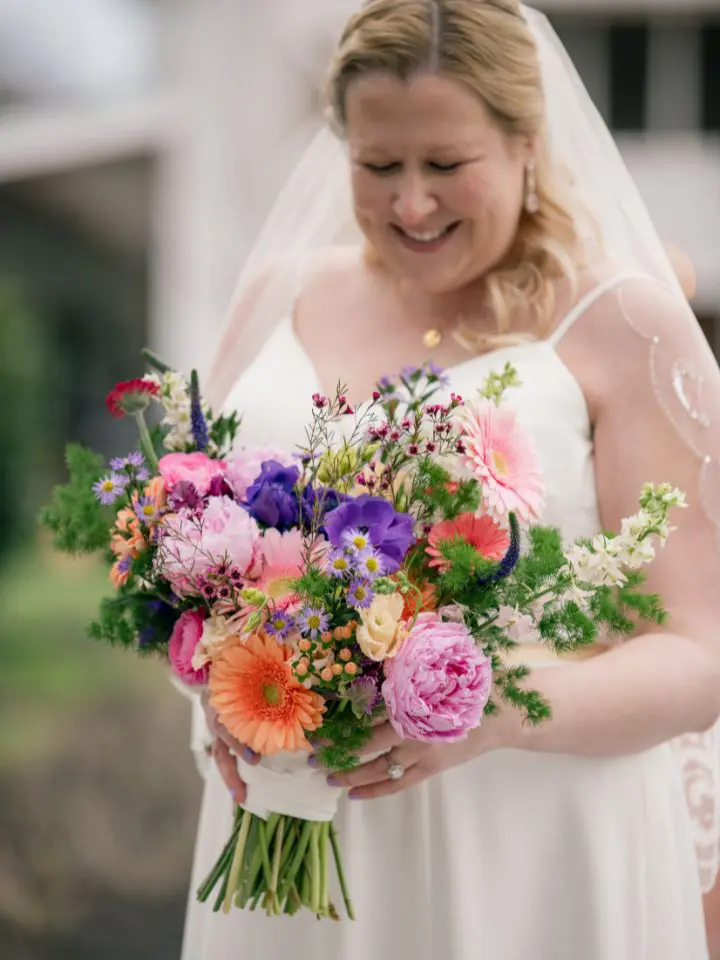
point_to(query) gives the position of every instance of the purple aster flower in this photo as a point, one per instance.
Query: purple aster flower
(109, 488)
(385, 383)
(360, 594)
(313, 621)
(279, 624)
(370, 564)
(146, 510)
(123, 564)
(142, 475)
(436, 374)
(136, 460)
(118, 463)
(363, 695)
(390, 532)
(407, 373)
(337, 563)
(356, 540)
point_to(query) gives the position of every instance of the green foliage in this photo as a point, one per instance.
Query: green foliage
(223, 432)
(346, 734)
(126, 617)
(78, 521)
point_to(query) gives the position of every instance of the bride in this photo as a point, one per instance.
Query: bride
(497, 223)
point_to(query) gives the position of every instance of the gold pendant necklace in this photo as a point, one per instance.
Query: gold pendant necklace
(432, 338)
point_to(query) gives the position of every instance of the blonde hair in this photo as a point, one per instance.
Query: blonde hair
(488, 46)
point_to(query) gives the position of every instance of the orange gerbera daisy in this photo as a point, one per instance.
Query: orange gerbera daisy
(488, 537)
(259, 700)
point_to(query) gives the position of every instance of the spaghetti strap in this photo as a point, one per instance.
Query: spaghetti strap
(589, 299)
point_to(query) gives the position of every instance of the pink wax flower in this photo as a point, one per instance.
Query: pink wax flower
(184, 639)
(244, 468)
(195, 468)
(438, 685)
(502, 457)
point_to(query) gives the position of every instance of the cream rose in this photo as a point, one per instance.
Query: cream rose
(382, 631)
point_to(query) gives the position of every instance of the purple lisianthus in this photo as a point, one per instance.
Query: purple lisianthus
(275, 501)
(391, 532)
(273, 498)
(437, 686)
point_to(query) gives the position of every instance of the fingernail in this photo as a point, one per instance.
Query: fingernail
(249, 755)
(354, 796)
(313, 761)
(333, 782)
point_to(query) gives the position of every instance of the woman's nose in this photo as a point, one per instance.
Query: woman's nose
(413, 202)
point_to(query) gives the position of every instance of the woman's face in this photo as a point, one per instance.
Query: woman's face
(438, 187)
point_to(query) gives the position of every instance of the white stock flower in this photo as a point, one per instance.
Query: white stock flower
(596, 567)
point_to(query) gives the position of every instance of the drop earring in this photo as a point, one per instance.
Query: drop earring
(532, 201)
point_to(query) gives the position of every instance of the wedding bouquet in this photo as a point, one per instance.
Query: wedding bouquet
(385, 571)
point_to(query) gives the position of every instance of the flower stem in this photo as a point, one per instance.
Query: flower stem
(146, 442)
(279, 837)
(341, 872)
(315, 878)
(324, 892)
(238, 858)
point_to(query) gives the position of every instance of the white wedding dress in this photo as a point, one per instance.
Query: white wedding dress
(516, 855)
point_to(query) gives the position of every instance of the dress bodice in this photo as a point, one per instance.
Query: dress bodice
(274, 397)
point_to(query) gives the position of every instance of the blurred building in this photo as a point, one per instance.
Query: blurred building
(151, 135)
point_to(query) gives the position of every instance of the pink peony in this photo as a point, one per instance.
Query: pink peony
(501, 456)
(195, 468)
(225, 533)
(185, 637)
(245, 468)
(438, 685)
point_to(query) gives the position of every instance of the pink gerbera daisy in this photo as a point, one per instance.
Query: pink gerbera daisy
(483, 533)
(502, 457)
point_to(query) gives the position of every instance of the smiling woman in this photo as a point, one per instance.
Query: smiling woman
(469, 141)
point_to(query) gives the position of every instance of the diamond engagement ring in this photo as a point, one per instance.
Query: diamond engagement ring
(396, 771)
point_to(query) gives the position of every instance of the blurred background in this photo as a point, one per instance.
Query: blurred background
(141, 144)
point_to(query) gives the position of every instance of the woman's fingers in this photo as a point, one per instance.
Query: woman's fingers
(227, 765)
(221, 732)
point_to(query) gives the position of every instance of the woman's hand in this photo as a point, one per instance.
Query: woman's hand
(419, 760)
(225, 749)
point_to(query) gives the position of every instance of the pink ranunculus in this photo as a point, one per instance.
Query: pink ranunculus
(225, 533)
(184, 639)
(502, 457)
(438, 685)
(245, 467)
(195, 468)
